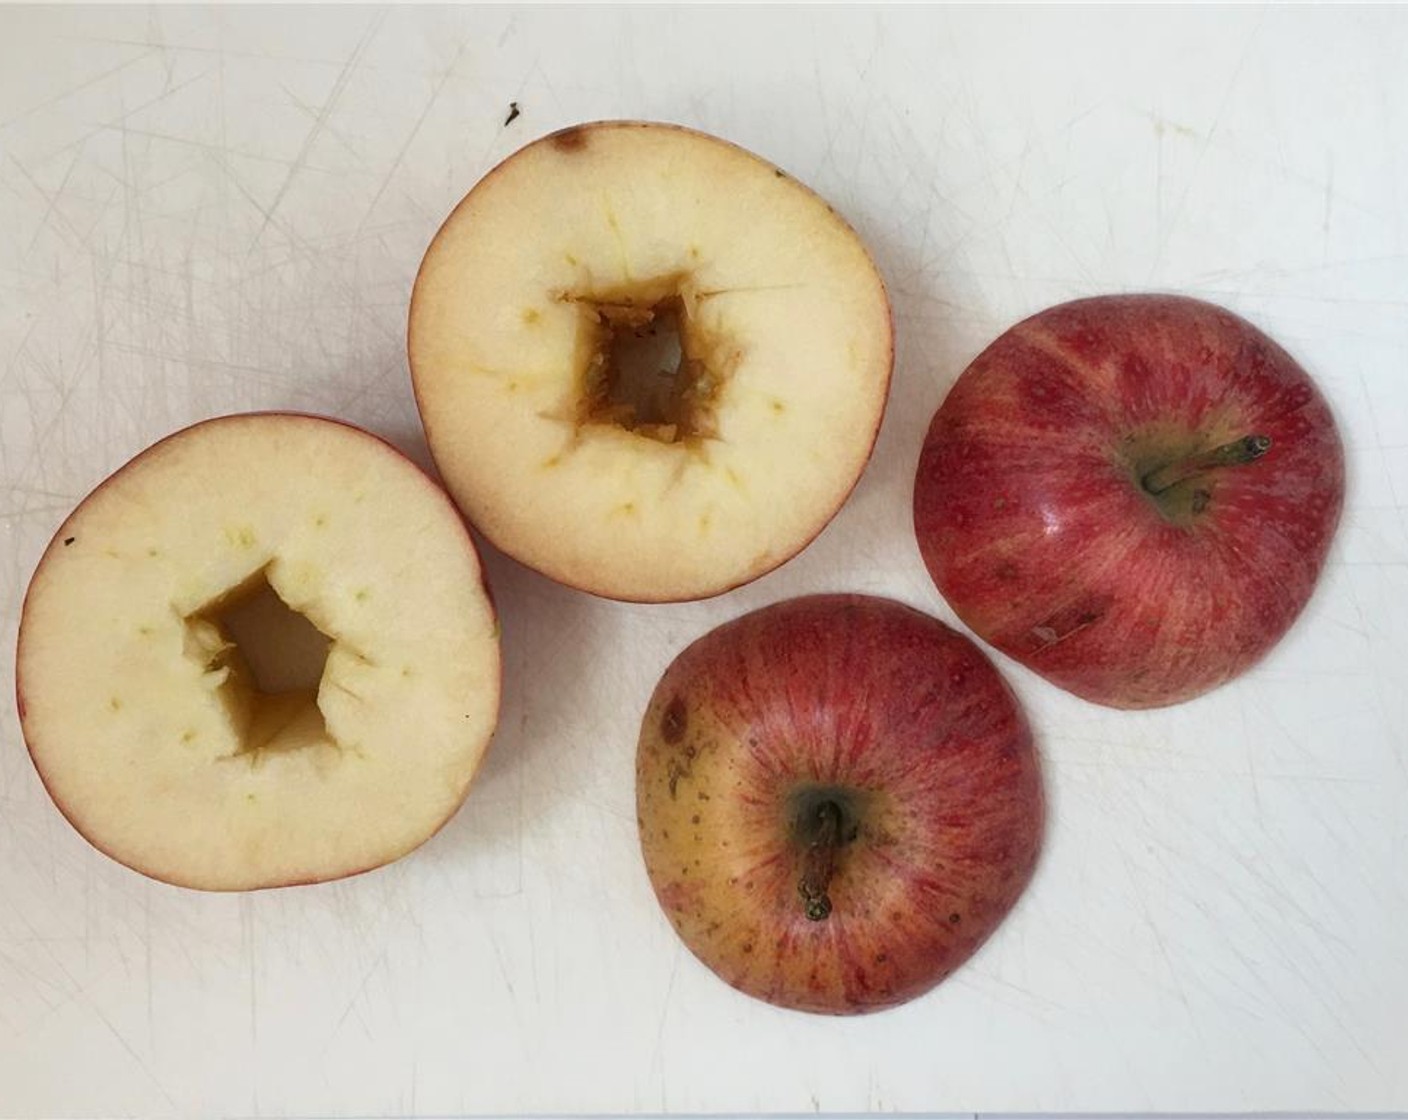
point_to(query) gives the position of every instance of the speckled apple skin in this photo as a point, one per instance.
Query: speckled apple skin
(904, 720)
(1033, 522)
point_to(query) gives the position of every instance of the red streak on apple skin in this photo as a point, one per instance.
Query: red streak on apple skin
(1033, 524)
(919, 736)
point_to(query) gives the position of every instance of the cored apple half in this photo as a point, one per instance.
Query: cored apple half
(839, 801)
(261, 653)
(650, 364)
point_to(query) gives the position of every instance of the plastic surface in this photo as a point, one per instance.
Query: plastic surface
(222, 209)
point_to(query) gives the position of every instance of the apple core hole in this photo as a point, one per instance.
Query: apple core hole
(274, 659)
(648, 371)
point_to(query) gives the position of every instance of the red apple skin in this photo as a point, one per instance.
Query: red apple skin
(909, 727)
(1034, 522)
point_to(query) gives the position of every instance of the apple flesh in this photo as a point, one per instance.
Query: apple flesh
(1131, 495)
(839, 801)
(649, 364)
(259, 654)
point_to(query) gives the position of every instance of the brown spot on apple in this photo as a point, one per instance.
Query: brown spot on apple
(675, 720)
(69, 540)
(569, 139)
(1070, 620)
(679, 897)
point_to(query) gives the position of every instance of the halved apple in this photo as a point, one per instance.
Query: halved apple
(261, 653)
(650, 364)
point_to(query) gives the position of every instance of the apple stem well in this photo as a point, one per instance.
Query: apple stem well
(1237, 453)
(820, 830)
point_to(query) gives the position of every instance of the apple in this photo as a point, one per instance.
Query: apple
(1131, 495)
(839, 801)
(260, 654)
(650, 364)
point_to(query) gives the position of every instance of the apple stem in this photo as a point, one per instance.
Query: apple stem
(1234, 454)
(819, 860)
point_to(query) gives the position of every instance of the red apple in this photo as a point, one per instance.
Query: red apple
(839, 801)
(1131, 495)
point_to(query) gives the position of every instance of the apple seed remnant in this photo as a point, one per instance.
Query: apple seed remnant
(1240, 451)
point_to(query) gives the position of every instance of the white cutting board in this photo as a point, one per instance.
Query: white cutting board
(209, 211)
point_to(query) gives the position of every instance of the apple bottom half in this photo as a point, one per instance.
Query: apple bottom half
(874, 716)
(1133, 496)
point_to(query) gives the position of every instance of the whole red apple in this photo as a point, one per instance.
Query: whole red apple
(839, 801)
(1131, 495)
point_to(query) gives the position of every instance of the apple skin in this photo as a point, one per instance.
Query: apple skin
(1034, 520)
(901, 723)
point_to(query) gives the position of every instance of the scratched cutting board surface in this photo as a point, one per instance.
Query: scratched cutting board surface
(218, 210)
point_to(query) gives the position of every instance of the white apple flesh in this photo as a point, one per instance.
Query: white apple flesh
(710, 466)
(261, 653)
